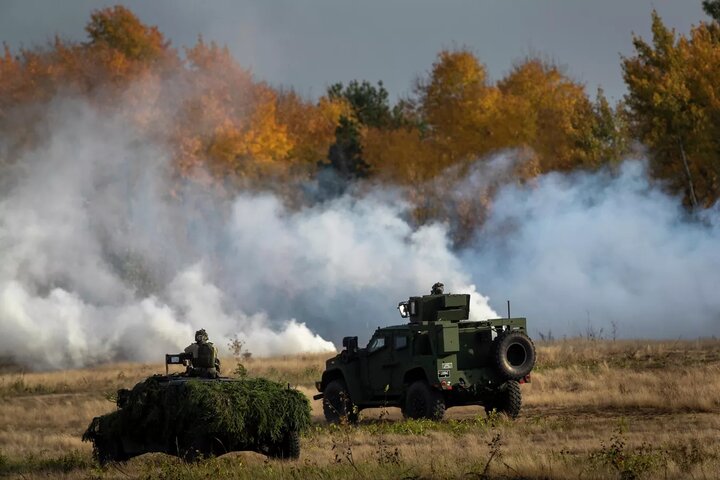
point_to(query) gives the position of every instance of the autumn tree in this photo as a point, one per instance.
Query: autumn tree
(118, 29)
(458, 106)
(311, 127)
(447, 128)
(545, 110)
(229, 126)
(606, 138)
(673, 102)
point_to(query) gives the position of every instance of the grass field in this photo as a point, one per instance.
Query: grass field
(595, 409)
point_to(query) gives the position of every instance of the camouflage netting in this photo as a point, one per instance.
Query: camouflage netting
(250, 412)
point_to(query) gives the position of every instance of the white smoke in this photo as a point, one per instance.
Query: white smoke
(104, 259)
(101, 262)
(601, 254)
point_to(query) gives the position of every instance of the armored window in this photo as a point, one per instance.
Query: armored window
(376, 344)
(401, 342)
(422, 344)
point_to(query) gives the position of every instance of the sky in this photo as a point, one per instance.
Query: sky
(308, 45)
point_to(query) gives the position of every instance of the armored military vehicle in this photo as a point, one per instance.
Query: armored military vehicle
(439, 359)
(192, 417)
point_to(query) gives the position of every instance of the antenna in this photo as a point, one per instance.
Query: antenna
(508, 308)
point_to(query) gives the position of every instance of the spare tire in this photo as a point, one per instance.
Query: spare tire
(513, 355)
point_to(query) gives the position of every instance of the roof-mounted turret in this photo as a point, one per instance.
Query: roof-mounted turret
(439, 307)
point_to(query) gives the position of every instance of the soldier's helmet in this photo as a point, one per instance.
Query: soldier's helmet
(437, 289)
(201, 336)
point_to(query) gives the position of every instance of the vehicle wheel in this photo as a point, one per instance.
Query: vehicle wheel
(101, 452)
(513, 355)
(507, 401)
(199, 449)
(337, 404)
(423, 402)
(107, 450)
(288, 448)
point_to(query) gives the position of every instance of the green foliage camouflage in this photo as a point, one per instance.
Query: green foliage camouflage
(249, 411)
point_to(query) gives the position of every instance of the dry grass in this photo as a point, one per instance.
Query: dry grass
(593, 410)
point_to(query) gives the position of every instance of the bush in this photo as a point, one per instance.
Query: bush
(629, 464)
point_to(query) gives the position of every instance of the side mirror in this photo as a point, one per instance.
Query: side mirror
(404, 309)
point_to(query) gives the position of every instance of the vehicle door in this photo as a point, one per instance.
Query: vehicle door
(401, 360)
(377, 363)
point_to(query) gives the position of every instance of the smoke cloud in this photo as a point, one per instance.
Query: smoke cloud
(101, 263)
(601, 254)
(104, 259)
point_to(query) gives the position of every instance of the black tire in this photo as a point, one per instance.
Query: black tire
(507, 401)
(101, 452)
(337, 404)
(106, 450)
(288, 448)
(422, 401)
(513, 355)
(199, 449)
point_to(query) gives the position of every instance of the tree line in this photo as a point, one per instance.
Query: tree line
(228, 130)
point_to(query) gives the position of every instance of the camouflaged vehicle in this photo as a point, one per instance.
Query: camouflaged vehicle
(192, 417)
(439, 359)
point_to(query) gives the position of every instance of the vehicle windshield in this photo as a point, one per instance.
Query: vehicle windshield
(376, 344)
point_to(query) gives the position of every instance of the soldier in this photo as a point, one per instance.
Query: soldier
(437, 289)
(205, 361)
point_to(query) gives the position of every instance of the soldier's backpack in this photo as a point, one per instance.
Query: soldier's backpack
(205, 357)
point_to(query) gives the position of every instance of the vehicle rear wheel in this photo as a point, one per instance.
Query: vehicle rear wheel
(513, 355)
(288, 448)
(337, 404)
(422, 401)
(200, 448)
(507, 401)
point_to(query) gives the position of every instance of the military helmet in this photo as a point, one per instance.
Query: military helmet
(201, 336)
(437, 289)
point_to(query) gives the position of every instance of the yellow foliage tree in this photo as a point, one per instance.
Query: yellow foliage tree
(232, 120)
(119, 30)
(543, 109)
(458, 106)
(674, 105)
(263, 143)
(310, 128)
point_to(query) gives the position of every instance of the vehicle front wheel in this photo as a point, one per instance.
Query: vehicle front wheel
(108, 450)
(422, 401)
(507, 401)
(337, 404)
